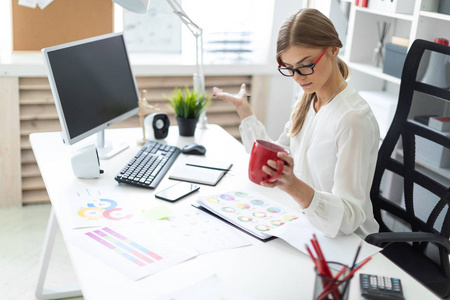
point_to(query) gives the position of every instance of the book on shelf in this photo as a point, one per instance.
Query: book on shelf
(251, 212)
(400, 40)
(440, 123)
(423, 119)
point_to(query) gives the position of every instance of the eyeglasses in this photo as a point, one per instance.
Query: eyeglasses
(305, 70)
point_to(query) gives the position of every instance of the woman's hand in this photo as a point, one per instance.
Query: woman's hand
(288, 182)
(239, 101)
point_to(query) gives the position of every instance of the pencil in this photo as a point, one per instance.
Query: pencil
(352, 266)
(356, 256)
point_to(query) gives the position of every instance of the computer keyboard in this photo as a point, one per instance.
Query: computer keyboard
(149, 165)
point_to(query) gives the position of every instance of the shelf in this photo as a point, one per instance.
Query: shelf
(426, 167)
(374, 71)
(385, 13)
(435, 15)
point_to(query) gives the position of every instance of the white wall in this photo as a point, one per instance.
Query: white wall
(283, 91)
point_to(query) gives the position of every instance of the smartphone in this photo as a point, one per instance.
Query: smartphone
(177, 191)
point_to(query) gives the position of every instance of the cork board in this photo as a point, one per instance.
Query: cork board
(60, 22)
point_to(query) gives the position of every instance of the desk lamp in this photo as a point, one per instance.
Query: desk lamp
(141, 6)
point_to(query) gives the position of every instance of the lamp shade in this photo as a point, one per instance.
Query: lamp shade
(137, 6)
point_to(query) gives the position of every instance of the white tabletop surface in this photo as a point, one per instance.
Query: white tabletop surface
(272, 270)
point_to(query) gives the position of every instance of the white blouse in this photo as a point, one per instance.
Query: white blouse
(335, 153)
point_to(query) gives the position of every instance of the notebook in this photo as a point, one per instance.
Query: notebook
(253, 213)
(209, 164)
(197, 174)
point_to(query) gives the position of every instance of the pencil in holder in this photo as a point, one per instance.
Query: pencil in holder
(334, 287)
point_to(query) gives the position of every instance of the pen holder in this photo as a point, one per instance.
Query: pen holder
(336, 288)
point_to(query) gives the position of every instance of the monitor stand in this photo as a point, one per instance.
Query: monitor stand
(108, 150)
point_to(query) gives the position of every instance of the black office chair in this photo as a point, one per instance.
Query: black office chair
(422, 247)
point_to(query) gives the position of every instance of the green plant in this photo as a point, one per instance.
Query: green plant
(188, 103)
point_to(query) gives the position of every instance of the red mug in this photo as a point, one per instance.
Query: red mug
(262, 151)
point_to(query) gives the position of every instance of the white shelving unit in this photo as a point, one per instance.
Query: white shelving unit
(362, 39)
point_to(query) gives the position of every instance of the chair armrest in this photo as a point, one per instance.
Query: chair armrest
(392, 237)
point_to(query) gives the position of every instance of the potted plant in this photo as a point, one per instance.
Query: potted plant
(188, 105)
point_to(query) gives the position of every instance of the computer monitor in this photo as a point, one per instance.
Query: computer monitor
(93, 87)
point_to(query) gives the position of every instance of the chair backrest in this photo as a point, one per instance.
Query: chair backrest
(418, 198)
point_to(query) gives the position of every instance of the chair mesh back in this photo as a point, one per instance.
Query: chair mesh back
(416, 197)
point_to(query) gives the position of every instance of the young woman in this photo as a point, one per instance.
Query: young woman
(332, 134)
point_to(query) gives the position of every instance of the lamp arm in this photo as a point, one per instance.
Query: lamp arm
(199, 77)
(194, 28)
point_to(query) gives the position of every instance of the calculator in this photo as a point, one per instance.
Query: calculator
(376, 287)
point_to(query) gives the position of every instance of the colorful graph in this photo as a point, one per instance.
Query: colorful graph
(290, 218)
(227, 197)
(259, 214)
(245, 219)
(228, 209)
(212, 200)
(116, 214)
(241, 194)
(98, 207)
(274, 210)
(262, 227)
(277, 222)
(243, 206)
(123, 246)
(257, 202)
(91, 213)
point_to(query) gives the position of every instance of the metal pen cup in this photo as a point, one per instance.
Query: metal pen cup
(332, 288)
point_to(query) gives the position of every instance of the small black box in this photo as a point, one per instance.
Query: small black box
(394, 60)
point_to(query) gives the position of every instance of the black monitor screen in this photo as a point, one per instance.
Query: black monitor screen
(94, 83)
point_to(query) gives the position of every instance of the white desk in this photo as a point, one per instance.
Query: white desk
(272, 270)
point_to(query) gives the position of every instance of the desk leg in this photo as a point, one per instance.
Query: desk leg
(58, 292)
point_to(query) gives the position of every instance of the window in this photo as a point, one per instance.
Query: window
(233, 30)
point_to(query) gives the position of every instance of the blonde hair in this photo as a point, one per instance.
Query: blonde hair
(308, 28)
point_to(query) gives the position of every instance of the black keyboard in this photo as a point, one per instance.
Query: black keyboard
(149, 165)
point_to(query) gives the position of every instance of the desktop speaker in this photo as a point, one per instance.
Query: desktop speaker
(156, 126)
(85, 162)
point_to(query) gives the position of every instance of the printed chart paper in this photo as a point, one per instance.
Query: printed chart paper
(250, 211)
(201, 232)
(141, 249)
(130, 251)
(101, 206)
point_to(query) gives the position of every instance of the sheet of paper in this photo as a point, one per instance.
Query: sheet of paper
(101, 206)
(157, 213)
(197, 230)
(251, 211)
(43, 3)
(28, 3)
(134, 251)
(210, 288)
(341, 248)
